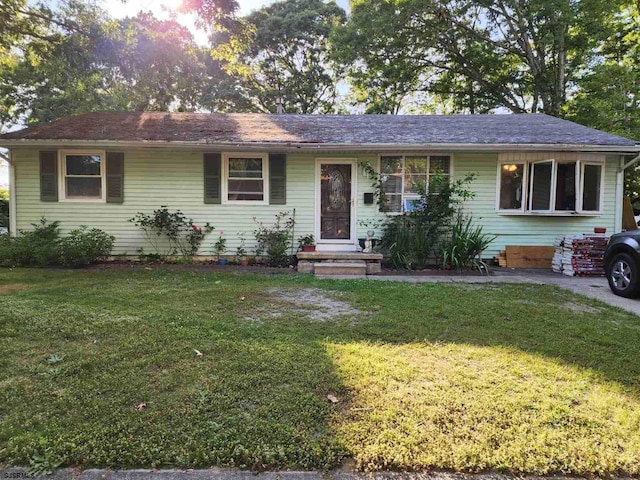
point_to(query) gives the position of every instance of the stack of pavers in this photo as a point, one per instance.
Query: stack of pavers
(579, 255)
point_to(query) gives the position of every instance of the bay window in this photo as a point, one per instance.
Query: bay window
(404, 176)
(550, 186)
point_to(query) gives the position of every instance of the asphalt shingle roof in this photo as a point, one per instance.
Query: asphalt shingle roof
(220, 128)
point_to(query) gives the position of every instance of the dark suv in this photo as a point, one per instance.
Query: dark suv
(622, 263)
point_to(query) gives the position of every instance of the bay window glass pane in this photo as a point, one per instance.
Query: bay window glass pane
(566, 186)
(511, 183)
(541, 186)
(245, 168)
(246, 189)
(83, 187)
(439, 164)
(591, 189)
(83, 164)
(414, 165)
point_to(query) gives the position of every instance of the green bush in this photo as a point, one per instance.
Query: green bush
(170, 233)
(4, 208)
(43, 246)
(413, 241)
(85, 246)
(276, 241)
(32, 248)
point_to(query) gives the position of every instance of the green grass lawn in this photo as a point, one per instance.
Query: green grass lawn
(165, 368)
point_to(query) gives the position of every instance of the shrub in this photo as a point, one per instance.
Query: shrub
(42, 246)
(171, 233)
(463, 249)
(4, 208)
(413, 240)
(85, 246)
(276, 241)
(37, 247)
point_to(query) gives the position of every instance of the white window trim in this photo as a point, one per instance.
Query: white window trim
(225, 177)
(412, 196)
(528, 182)
(62, 170)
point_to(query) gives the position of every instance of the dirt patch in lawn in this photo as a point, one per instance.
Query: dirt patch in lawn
(313, 303)
(17, 287)
(580, 307)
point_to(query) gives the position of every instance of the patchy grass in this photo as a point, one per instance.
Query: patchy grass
(164, 368)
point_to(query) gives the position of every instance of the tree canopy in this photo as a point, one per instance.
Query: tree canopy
(578, 59)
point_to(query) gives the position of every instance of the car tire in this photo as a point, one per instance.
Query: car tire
(623, 274)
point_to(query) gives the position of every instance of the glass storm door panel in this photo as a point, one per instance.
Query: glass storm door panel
(335, 201)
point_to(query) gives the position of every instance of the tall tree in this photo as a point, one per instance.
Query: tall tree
(482, 54)
(609, 95)
(280, 54)
(137, 63)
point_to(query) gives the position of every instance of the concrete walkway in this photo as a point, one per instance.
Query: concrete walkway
(592, 287)
(227, 474)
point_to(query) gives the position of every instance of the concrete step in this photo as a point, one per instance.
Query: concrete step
(342, 268)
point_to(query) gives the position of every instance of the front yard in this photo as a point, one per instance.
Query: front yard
(151, 368)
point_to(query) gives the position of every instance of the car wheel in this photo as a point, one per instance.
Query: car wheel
(623, 274)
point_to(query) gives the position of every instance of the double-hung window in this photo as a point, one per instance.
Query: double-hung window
(550, 186)
(404, 177)
(246, 178)
(82, 175)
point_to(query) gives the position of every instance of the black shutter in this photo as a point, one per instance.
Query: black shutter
(277, 179)
(49, 176)
(115, 177)
(212, 177)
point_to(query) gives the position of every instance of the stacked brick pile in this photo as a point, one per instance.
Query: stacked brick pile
(579, 255)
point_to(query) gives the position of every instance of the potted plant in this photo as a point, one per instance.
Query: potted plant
(307, 243)
(241, 252)
(219, 248)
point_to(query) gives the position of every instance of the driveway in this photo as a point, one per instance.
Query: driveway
(592, 287)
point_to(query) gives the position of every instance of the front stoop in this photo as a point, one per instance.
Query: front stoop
(323, 264)
(327, 269)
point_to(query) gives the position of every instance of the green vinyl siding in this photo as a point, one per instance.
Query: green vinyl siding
(155, 177)
(163, 177)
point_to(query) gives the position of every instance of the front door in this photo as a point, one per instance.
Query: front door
(336, 216)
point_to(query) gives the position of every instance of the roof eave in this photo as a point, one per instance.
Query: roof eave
(322, 147)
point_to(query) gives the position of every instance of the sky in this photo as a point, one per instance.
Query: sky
(163, 8)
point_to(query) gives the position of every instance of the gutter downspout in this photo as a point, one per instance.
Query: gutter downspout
(620, 189)
(13, 220)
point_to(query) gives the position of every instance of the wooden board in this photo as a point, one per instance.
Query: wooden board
(529, 256)
(628, 220)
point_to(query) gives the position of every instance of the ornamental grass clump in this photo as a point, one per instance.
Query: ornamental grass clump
(464, 247)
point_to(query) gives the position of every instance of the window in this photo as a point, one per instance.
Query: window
(550, 186)
(82, 175)
(511, 180)
(245, 178)
(404, 176)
